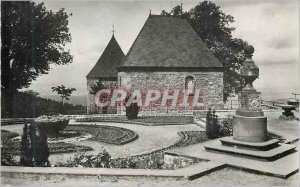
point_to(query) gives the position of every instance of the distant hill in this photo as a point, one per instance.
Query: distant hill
(75, 100)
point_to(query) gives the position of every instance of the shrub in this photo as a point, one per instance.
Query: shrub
(132, 111)
(128, 162)
(226, 127)
(8, 160)
(34, 149)
(212, 125)
(101, 160)
(52, 124)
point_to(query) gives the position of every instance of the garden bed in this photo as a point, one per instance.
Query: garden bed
(152, 160)
(13, 148)
(142, 120)
(14, 121)
(106, 134)
(6, 135)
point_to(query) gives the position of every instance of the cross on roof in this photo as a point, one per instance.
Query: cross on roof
(113, 31)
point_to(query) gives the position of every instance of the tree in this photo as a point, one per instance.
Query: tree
(64, 92)
(34, 147)
(96, 87)
(25, 150)
(132, 110)
(33, 38)
(213, 27)
(212, 125)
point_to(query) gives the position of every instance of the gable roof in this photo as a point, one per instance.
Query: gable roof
(110, 59)
(166, 41)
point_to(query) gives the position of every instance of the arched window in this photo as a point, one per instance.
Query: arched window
(190, 85)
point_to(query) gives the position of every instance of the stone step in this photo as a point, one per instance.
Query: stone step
(259, 146)
(270, 155)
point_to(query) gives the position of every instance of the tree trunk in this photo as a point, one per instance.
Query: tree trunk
(6, 72)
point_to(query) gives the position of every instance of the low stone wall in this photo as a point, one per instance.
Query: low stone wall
(63, 172)
(199, 114)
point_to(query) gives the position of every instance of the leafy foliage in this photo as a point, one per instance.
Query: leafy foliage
(13, 148)
(143, 120)
(32, 39)
(226, 127)
(7, 156)
(212, 125)
(28, 105)
(101, 160)
(215, 129)
(96, 87)
(34, 147)
(6, 135)
(213, 27)
(132, 111)
(8, 160)
(106, 134)
(64, 92)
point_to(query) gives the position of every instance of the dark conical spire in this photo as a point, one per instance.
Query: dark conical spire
(110, 59)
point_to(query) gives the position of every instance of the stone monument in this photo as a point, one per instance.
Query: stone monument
(250, 136)
(250, 124)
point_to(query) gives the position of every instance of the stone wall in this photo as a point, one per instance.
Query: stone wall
(210, 84)
(91, 106)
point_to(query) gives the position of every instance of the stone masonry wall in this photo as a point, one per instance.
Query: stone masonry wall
(91, 107)
(210, 84)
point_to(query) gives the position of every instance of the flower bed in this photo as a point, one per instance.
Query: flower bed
(13, 147)
(6, 135)
(152, 160)
(142, 120)
(52, 124)
(106, 134)
(14, 121)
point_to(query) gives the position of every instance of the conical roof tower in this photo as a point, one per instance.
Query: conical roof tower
(110, 59)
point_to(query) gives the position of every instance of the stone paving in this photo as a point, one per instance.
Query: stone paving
(282, 167)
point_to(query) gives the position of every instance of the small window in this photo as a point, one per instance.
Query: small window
(190, 85)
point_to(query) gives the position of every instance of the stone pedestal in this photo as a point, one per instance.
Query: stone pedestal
(249, 123)
(250, 129)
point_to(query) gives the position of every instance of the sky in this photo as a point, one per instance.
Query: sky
(271, 26)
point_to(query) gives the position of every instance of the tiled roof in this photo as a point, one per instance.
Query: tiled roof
(166, 41)
(110, 59)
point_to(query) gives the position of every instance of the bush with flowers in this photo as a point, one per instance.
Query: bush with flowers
(52, 124)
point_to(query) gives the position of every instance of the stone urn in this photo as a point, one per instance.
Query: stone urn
(52, 124)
